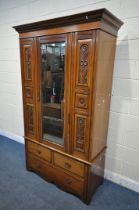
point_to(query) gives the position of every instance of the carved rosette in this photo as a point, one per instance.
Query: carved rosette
(81, 101)
(28, 63)
(80, 134)
(83, 63)
(29, 92)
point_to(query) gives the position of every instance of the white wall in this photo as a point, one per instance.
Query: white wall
(122, 162)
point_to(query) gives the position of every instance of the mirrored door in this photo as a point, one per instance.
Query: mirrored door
(53, 90)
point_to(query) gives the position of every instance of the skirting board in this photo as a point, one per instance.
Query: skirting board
(12, 136)
(122, 180)
(109, 175)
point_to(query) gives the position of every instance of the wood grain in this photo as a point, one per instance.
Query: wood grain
(77, 166)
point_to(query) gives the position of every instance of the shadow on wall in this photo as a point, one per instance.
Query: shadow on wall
(119, 109)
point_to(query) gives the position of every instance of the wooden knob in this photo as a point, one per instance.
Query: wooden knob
(39, 152)
(67, 165)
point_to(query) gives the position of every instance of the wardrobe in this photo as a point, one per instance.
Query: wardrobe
(67, 69)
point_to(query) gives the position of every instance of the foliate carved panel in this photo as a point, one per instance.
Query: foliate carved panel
(27, 54)
(81, 101)
(80, 133)
(27, 63)
(30, 118)
(83, 63)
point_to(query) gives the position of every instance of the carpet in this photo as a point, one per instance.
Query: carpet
(23, 190)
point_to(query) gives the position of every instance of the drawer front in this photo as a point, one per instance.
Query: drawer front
(39, 151)
(39, 166)
(69, 164)
(69, 183)
(59, 177)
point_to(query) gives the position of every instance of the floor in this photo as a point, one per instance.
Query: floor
(23, 190)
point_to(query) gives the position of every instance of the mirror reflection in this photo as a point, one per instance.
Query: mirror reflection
(52, 64)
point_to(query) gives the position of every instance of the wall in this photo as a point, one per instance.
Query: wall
(122, 162)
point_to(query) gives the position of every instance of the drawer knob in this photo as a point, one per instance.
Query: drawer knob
(68, 181)
(39, 152)
(67, 165)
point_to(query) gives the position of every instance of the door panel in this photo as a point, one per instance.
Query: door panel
(28, 62)
(81, 133)
(83, 62)
(28, 54)
(29, 109)
(54, 84)
(84, 43)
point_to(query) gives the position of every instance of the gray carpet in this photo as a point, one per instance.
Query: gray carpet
(23, 190)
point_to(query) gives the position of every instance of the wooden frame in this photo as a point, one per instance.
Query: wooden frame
(78, 166)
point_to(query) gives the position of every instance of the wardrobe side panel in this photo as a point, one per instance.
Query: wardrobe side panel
(104, 55)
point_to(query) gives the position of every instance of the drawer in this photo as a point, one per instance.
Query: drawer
(39, 166)
(69, 183)
(69, 164)
(40, 151)
(56, 175)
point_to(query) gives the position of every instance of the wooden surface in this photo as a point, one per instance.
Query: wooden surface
(105, 54)
(77, 166)
(86, 17)
(84, 49)
(49, 39)
(69, 164)
(40, 151)
(28, 88)
(95, 175)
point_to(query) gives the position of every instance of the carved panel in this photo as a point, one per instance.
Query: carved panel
(29, 92)
(27, 62)
(83, 63)
(81, 101)
(80, 133)
(30, 118)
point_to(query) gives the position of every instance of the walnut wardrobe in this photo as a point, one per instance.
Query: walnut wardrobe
(67, 67)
